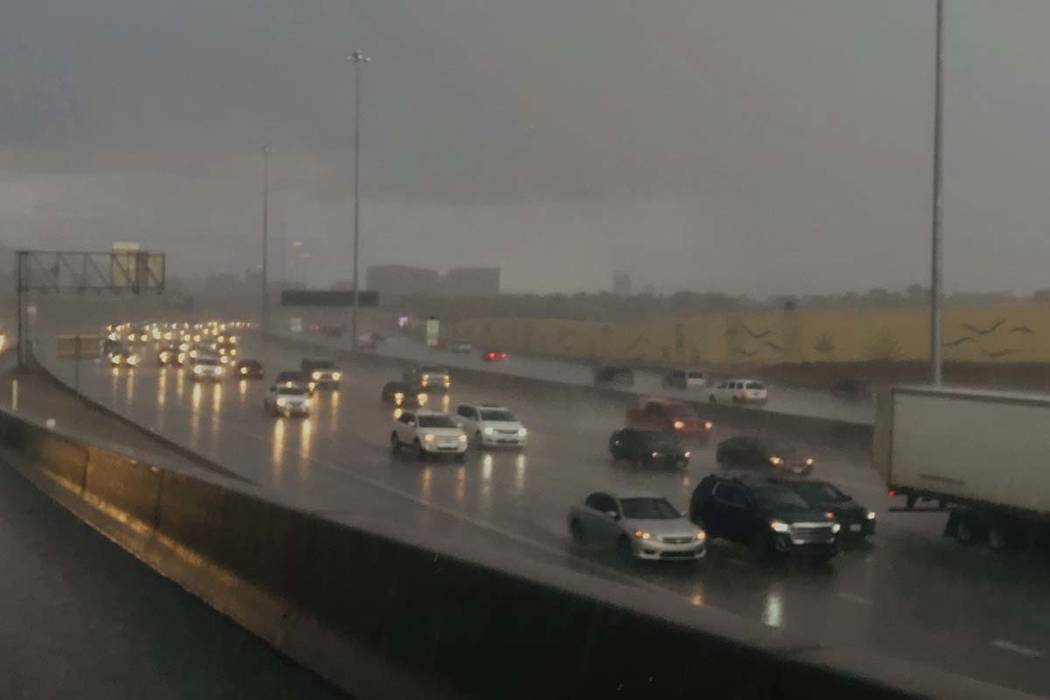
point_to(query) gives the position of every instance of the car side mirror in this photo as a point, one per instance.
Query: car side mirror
(613, 514)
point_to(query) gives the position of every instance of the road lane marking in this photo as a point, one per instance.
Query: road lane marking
(1017, 648)
(854, 598)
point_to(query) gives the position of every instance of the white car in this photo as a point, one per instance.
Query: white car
(739, 391)
(428, 433)
(287, 399)
(207, 367)
(636, 527)
(490, 425)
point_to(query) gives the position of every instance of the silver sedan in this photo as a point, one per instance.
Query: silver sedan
(637, 527)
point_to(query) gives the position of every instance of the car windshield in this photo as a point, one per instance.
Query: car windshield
(435, 421)
(819, 492)
(696, 375)
(497, 415)
(320, 364)
(755, 385)
(649, 509)
(780, 498)
(207, 361)
(291, 390)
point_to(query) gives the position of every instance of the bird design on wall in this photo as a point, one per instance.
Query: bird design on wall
(984, 331)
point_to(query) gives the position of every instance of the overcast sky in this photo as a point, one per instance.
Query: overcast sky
(746, 146)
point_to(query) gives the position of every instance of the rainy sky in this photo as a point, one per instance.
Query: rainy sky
(744, 146)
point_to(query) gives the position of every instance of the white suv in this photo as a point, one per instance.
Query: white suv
(428, 433)
(739, 391)
(490, 425)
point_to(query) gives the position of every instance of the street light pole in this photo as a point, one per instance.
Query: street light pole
(264, 323)
(938, 167)
(358, 59)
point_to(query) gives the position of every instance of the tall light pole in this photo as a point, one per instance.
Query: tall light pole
(938, 167)
(358, 59)
(265, 313)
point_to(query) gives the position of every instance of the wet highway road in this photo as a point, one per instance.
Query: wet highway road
(909, 594)
(782, 399)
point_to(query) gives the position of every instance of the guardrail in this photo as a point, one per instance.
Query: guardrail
(806, 429)
(388, 618)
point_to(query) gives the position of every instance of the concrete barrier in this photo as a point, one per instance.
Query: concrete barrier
(806, 429)
(388, 618)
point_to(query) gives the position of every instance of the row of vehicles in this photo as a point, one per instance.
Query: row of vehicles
(764, 498)
(740, 391)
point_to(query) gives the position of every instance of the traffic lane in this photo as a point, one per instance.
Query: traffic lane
(782, 399)
(282, 456)
(855, 602)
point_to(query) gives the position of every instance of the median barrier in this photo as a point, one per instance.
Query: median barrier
(806, 429)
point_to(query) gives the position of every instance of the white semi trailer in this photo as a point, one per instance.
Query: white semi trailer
(982, 455)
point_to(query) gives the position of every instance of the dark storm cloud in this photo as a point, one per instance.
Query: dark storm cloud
(683, 140)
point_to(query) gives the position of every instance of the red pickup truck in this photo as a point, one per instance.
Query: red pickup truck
(669, 415)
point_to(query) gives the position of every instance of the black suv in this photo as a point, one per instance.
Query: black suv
(856, 520)
(764, 514)
(648, 447)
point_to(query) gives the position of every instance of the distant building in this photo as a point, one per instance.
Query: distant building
(470, 282)
(621, 284)
(401, 279)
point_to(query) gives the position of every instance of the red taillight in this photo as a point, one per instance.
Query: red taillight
(891, 492)
(492, 355)
(503, 356)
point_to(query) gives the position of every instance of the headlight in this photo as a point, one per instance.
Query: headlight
(871, 515)
(429, 437)
(224, 359)
(700, 536)
(198, 370)
(776, 461)
(399, 397)
(462, 438)
(448, 383)
(114, 359)
(335, 375)
(425, 378)
(654, 455)
(222, 339)
(678, 425)
(778, 526)
(133, 360)
(809, 462)
(244, 370)
(522, 432)
(164, 357)
(182, 357)
(490, 431)
(316, 376)
(422, 398)
(708, 425)
(233, 339)
(835, 527)
(642, 535)
(687, 454)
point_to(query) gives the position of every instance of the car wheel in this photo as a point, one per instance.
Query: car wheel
(395, 444)
(477, 440)
(712, 399)
(417, 447)
(965, 532)
(576, 530)
(623, 550)
(998, 538)
(760, 546)
(461, 457)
